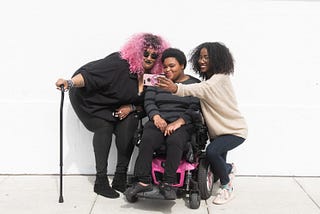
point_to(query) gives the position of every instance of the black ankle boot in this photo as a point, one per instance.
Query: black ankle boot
(120, 182)
(102, 187)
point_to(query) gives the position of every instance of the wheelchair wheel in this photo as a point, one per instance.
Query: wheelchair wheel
(205, 179)
(194, 200)
(132, 199)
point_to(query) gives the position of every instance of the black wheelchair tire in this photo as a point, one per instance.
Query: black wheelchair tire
(205, 179)
(194, 200)
(132, 199)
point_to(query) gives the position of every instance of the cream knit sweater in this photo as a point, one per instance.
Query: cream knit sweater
(218, 104)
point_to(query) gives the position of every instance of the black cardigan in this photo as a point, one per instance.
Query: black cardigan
(108, 85)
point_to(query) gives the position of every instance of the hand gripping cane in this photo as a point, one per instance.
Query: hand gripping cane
(61, 142)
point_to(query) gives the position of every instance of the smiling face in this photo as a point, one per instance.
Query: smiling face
(172, 69)
(149, 58)
(203, 60)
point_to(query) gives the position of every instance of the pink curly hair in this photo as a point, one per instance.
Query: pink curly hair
(133, 50)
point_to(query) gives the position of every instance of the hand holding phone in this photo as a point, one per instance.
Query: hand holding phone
(151, 79)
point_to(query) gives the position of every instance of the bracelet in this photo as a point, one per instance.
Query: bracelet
(70, 84)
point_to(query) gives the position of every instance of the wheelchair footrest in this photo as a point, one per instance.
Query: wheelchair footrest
(154, 194)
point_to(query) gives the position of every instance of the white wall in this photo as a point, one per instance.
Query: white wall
(277, 74)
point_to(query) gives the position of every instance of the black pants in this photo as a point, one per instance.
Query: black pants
(102, 138)
(152, 139)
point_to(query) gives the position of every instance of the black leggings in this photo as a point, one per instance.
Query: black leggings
(102, 138)
(152, 139)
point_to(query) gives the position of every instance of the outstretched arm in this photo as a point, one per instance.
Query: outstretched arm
(76, 81)
(167, 84)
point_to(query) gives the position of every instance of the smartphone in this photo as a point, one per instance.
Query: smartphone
(151, 79)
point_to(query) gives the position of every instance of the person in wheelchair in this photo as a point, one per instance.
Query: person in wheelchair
(170, 123)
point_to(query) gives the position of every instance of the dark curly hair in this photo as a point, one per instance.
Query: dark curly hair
(175, 53)
(220, 59)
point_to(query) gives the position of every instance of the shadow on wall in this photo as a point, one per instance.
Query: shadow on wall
(78, 149)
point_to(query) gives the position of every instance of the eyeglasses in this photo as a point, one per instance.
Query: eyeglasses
(204, 58)
(147, 54)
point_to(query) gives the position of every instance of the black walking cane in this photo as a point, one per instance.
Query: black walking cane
(61, 142)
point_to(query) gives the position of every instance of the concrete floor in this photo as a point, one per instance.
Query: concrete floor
(258, 195)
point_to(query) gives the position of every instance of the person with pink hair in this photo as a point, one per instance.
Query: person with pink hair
(107, 95)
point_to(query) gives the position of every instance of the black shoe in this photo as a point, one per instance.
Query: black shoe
(136, 188)
(120, 182)
(168, 191)
(102, 187)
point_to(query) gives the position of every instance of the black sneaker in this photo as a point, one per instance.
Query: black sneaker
(136, 188)
(168, 191)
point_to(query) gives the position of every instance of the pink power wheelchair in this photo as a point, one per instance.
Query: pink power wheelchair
(194, 176)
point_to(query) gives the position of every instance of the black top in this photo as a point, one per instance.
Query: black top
(108, 85)
(171, 107)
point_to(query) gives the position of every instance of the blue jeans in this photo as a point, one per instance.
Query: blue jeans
(216, 153)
